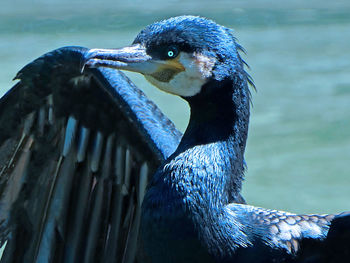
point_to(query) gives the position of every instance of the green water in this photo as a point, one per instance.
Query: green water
(298, 152)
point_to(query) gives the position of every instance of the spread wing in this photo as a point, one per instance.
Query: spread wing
(290, 237)
(76, 152)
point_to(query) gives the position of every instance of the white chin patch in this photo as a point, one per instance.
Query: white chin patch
(187, 83)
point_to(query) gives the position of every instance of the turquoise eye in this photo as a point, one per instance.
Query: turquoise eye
(172, 52)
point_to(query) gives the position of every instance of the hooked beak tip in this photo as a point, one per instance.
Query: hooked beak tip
(89, 59)
(86, 62)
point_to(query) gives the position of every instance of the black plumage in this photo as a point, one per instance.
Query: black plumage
(108, 137)
(76, 151)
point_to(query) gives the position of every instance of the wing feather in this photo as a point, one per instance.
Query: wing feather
(291, 237)
(76, 152)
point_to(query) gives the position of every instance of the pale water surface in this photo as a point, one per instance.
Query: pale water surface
(298, 152)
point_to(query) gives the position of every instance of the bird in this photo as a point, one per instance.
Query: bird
(80, 143)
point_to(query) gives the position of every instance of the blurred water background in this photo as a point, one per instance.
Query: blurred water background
(298, 152)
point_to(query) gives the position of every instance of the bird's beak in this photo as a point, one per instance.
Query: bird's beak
(133, 58)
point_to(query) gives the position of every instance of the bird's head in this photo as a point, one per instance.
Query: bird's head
(178, 55)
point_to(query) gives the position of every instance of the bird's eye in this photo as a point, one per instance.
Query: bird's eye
(172, 52)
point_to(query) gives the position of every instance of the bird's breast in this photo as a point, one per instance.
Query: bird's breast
(167, 234)
(175, 209)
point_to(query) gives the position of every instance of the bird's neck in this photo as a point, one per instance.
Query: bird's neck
(188, 194)
(205, 172)
(219, 114)
(218, 129)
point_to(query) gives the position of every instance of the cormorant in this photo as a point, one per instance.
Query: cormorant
(77, 148)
